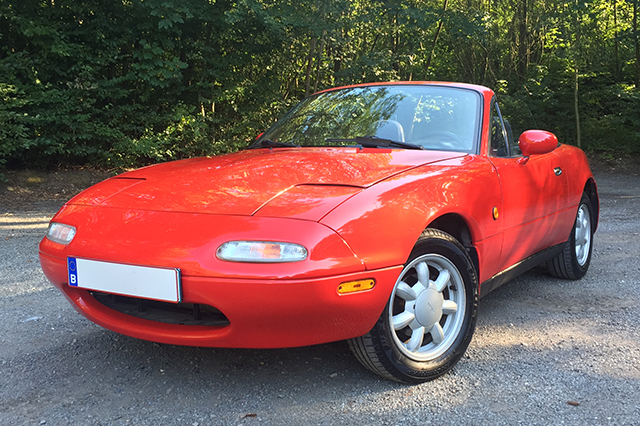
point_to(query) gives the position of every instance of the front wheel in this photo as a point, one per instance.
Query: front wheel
(574, 260)
(430, 317)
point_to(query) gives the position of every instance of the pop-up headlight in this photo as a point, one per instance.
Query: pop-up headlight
(61, 233)
(261, 252)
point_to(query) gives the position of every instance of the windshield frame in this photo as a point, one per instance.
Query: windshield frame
(475, 134)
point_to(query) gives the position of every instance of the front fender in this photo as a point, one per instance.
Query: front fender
(189, 241)
(383, 223)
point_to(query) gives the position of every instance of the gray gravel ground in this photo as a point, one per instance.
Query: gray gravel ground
(546, 351)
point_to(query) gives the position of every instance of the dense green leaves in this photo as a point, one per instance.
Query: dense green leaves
(131, 82)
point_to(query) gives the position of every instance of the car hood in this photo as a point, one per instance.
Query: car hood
(303, 183)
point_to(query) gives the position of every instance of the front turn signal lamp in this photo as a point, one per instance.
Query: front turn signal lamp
(355, 286)
(261, 252)
(61, 233)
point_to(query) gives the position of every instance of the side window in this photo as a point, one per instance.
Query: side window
(514, 148)
(517, 118)
(498, 145)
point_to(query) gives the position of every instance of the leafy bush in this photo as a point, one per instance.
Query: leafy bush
(13, 129)
(187, 136)
(122, 84)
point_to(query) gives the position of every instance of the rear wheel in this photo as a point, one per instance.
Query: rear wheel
(574, 260)
(430, 317)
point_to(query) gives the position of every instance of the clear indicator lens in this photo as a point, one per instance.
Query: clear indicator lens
(261, 251)
(60, 233)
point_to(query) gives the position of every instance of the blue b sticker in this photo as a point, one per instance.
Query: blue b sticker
(73, 271)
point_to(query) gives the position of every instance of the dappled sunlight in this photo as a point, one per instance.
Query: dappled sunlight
(12, 288)
(10, 226)
(577, 345)
(535, 203)
(11, 222)
(19, 236)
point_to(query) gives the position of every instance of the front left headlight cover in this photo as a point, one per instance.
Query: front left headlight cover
(261, 252)
(61, 233)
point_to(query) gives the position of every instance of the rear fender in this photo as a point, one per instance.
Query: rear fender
(580, 179)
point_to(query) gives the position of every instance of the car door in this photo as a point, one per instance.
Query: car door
(534, 191)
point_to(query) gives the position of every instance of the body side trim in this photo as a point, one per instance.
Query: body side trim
(519, 268)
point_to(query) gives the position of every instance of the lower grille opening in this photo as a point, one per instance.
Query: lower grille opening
(170, 313)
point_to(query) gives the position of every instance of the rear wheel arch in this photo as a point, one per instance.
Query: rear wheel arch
(573, 261)
(591, 189)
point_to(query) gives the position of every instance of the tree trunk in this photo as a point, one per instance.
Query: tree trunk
(396, 43)
(523, 37)
(577, 110)
(307, 80)
(319, 61)
(635, 30)
(616, 59)
(435, 39)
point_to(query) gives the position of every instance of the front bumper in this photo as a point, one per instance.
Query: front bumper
(262, 313)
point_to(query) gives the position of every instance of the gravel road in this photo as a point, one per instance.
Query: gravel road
(546, 351)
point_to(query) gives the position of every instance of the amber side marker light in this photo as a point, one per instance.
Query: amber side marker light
(355, 286)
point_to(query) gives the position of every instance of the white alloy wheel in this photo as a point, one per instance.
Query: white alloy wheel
(573, 261)
(430, 318)
(427, 307)
(583, 234)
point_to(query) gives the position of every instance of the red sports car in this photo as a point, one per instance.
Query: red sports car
(376, 213)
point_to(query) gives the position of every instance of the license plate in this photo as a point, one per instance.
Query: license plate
(129, 280)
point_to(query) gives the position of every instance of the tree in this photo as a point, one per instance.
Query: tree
(114, 82)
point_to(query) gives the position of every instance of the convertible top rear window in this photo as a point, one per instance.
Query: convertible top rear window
(426, 116)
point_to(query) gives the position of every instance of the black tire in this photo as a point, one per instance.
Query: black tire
(575, 258)
(423, 348)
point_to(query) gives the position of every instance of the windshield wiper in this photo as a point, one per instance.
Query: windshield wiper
(376, 142)
(268, 143)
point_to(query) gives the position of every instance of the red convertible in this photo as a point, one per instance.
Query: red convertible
(375, 213)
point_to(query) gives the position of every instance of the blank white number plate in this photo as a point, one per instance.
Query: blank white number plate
(129, 280)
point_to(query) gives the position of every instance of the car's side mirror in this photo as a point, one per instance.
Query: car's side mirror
(536, 142)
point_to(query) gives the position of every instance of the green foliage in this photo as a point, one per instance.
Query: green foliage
(615, 126)
(125, 83)
(187, 136)
(13, 131)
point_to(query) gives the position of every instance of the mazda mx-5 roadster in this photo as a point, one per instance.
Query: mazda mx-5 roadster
(375, 213)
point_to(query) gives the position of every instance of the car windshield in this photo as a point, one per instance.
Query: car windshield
(396, 116)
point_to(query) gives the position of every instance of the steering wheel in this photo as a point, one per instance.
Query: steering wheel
(443, 139)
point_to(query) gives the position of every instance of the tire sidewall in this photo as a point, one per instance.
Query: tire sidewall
(581, 270)
(420, 371)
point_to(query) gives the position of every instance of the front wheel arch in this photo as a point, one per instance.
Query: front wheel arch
(457, 227)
